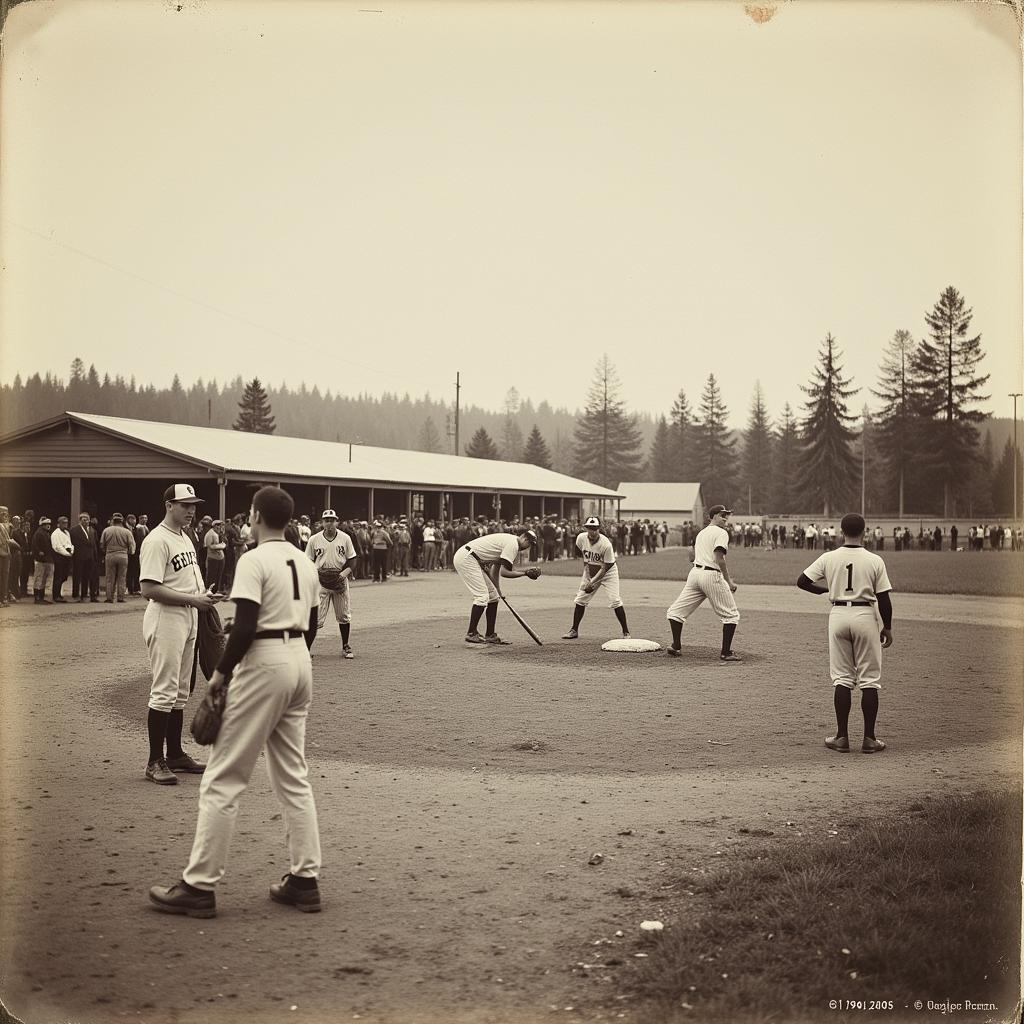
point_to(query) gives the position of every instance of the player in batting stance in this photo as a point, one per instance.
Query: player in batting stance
(478, 564)
(334, 556)
(599, 572)
(708, 579)
(857, 584)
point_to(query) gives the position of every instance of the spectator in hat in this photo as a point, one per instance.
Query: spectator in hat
(63, 549)
(85, 570)
(214, 545)
(42, 555)
(5, 557)
(117, 544)
(19, 551)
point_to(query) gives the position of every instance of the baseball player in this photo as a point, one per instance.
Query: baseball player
(334, 555)
(478, 563)
(709, 578)
(276, 593)
(857, 583)
(173, 586)
(599, 572)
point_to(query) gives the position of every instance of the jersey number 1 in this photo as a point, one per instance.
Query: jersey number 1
(849, 577)
(295, 579)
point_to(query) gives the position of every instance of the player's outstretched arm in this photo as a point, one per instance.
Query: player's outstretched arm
(812, 588)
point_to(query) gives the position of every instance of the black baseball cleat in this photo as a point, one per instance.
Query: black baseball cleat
(306, 899)
(840, 743)
(729, 656)
(493, 638)
(186, 764)
(571, 635)
(346, 653)
(475, 638)
(872, 746)
(158, 772)
(176, 899)
(674, 652)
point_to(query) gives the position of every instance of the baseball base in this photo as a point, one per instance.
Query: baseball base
(631, 646)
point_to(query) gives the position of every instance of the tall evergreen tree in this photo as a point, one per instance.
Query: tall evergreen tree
(536, 452)
(714, 460)
(253, 410)
(896, 422)
(787, 461)
(682, 438)
(607, 438)
(481, 446)
(827, 465)
(429, 439)
(661, 465)
(757, 455)
(511, 440)
(947, 382)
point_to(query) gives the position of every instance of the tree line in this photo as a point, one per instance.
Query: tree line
(919, 452)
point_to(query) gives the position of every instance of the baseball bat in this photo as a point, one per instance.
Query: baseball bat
(522, 622)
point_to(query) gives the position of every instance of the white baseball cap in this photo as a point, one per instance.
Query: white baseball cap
(184, 494)
(329, 513)
(592, 523)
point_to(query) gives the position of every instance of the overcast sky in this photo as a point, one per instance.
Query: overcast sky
(371, 196)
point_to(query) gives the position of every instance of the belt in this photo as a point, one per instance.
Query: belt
(277, 634)
(852, 604)
(710, 568)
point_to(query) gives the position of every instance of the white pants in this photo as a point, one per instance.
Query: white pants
(704, 584)
(268, 700)
(170, 634)
(342, 605)
(609, 584)
(854, 648)
(471, 573)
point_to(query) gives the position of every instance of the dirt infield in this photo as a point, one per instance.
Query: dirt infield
(462, 794)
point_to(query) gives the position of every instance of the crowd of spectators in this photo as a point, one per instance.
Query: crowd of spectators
(825, 538)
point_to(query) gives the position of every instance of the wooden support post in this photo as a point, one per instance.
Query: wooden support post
(76, 501)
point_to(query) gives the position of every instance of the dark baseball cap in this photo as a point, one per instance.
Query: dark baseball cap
(716, 509)
(184, 494)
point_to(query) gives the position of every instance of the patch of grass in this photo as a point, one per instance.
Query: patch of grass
(923, 906)
(991, 573)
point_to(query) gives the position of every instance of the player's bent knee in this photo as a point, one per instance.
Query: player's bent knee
(847, 683)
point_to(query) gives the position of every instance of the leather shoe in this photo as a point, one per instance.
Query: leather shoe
(872, 746)
(186, 764)
(306, 900)
(840, 743)
(176, 899)
(159, 773)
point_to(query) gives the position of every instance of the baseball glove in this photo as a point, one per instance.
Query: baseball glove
(330, 579)
(206, 721)
(210, 641)
(533, 572)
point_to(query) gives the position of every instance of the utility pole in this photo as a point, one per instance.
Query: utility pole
(1015, 395)
(458, 451)
(864, 462)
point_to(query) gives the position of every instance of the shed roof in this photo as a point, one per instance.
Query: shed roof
(237, 453)
(658, 497)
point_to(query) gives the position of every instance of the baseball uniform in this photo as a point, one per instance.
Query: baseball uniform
(705, 580)
(493, 547)
(333, 554)
(596, 554)
(854, 577)
(267, 704)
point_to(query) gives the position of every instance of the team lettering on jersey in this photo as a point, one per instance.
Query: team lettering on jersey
(183, 559)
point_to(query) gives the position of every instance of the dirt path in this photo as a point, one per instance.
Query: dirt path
(461, 795)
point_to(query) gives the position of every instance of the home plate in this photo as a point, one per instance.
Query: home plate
(633, 646)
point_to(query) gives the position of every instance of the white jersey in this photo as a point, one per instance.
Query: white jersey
(331, 554)
(597, 554)
(494, 546)
(851, 573)
(284, 585)
(170, 558)
(710, 538)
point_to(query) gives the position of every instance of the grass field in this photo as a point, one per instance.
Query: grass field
(923, 906)
(994, 573)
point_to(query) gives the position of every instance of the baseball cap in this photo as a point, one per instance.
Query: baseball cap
(530, 533)
(716, 509)
(116, 516)
(592, 522)
(329, 513)
(184, 494)
(44, 521)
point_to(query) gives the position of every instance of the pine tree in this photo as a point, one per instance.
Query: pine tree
(714, 460)
(429, 438)
(511, 440)
(1002, 482)
(787, 460)
(607, 440)
(536, 452)
(481, 446)
(828, 468)
(896, 423)
(661, 464)
(254, 410)
(757, 455)
(946, 383)
(682, 438)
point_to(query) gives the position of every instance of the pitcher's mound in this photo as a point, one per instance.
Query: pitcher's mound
(633, 646)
